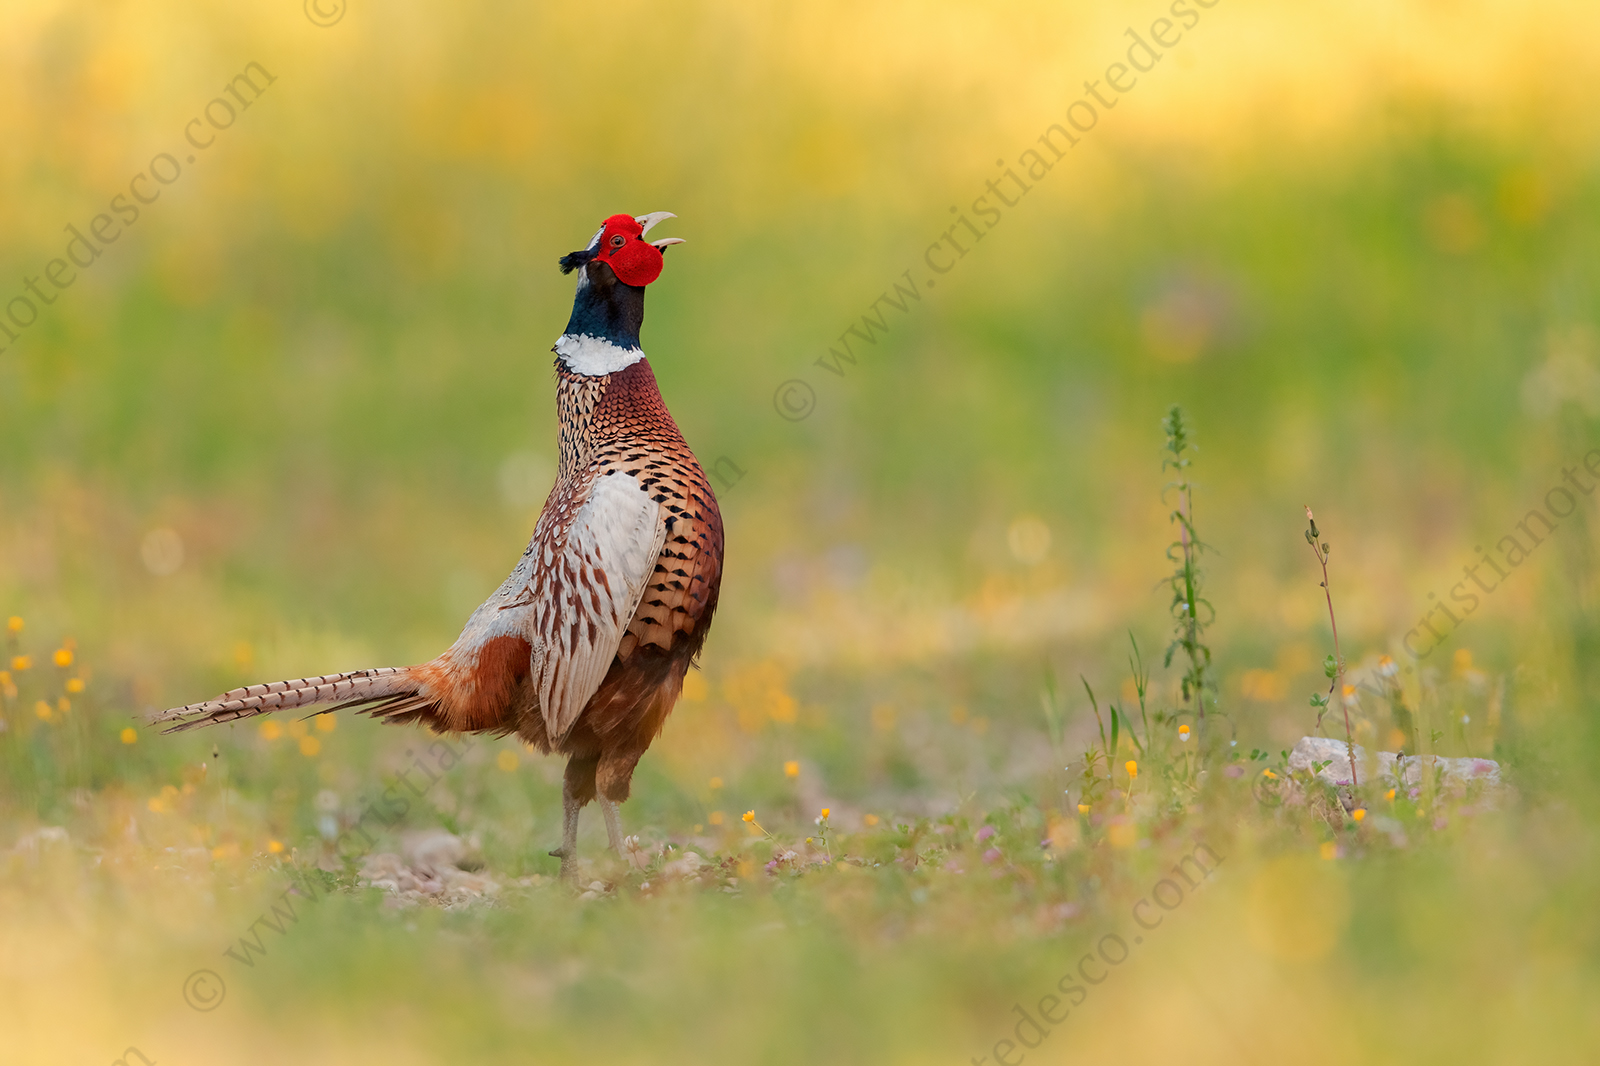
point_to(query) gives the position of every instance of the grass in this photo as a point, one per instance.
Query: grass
(1334, 666)
(927, 922)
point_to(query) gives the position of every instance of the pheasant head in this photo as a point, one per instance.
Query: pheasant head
(602, 336)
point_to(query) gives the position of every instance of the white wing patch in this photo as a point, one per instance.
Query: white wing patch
(600, 577)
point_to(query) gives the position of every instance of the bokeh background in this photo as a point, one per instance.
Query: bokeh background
(299, 418)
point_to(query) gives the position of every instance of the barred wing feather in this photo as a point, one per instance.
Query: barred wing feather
(600, 576)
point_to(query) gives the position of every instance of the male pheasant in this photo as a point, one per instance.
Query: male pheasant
(584, 648)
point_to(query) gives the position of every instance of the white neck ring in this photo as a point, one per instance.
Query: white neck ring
(594, 356)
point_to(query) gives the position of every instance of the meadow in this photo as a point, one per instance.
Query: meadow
(942, 790)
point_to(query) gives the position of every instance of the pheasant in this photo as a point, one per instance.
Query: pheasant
(582, 651)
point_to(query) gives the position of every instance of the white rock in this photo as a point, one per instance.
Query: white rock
(432, 850)
(443, 883)
(683, 866)
(29, 845)
(1336, 754)
(34, 842)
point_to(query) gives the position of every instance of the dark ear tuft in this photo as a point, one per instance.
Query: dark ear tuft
(573, 260)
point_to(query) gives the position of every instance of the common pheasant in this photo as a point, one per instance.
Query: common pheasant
(583, 649)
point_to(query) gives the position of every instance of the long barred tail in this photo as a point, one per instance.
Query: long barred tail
(357, 688)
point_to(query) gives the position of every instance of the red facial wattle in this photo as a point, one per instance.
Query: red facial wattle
(634, 260)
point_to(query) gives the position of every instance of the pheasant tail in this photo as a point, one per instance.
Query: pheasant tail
(382, 690)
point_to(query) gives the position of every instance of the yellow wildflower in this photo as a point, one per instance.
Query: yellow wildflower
(1389, 795)
(1132, 767)
(309, 746)
(271, 730)
(326, 723)
(14, 623)
(275, 846)
(63, 705)
(716, 818)
(871, 819)
(1330, 850)
(715, 783)
(63, 657)
(827, 811)
(506, 760)
(749, 816)
(74, 685)
(1183, 732)
(130, 735)
(1083, 808)
(1359, 813)
(791, 769)
(42, 709)
(21, 663)
(1269, 774)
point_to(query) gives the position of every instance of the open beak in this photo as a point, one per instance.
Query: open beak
(649, 221)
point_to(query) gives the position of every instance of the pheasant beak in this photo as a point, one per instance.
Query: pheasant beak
(650, 220)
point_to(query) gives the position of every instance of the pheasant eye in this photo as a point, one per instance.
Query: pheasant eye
(618, 241)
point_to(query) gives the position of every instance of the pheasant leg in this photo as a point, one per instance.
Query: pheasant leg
(568, 851)
(613, 824)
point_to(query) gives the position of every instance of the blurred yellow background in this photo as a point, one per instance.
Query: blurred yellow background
(298, 418)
